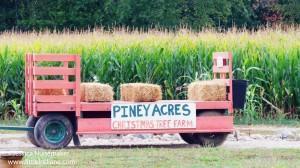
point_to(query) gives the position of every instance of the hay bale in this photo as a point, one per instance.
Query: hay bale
(96, 92)
(50, 92)
(140, 92)
(213, 90)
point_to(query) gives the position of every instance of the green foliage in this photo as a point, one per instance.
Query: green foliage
(169, 156)
(269, 59)
(290, 10)
(11, 85)
(144, 14)
(242, 14)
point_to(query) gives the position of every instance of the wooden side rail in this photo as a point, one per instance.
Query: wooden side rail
(54, 98)
(53, 84)
(222, 65)
(222, 70)
(35, 69)
(54, 71)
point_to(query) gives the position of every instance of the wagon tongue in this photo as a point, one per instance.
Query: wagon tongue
(16, 128)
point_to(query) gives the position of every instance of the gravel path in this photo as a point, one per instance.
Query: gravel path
(243, 137)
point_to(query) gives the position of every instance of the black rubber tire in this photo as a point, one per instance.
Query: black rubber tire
(205, 139)
(211, 139)
(31, 121)
(188, 138)
(41, 125)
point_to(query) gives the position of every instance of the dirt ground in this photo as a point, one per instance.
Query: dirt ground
(243, 137)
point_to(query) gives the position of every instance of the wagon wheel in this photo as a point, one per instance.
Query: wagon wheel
(53, 131)
(205, 139)
(188, 138)
(31, 121)
(211, 139)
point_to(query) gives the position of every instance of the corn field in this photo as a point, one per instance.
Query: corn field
(268, 58)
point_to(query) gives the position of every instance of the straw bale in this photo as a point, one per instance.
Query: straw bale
(213, 90)
(140, 92)
(96, 92)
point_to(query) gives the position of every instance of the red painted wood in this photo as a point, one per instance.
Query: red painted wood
(28, 93)
(230, 96)
(97, 106)
(66, 76)
(53, 71)
(204, 124)
(77, 87)
(161, 131)
(31, 109)
(224, 69)
(54, 57)
(26, 83)
(54, 107)
(53, 84)
(34, 110)
(227, 81)
(223, 72)
(54, 98)
(212, 104)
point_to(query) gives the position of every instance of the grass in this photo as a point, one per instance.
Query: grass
(268, 58)
(14, 122)
(268, 121)
(171, 157)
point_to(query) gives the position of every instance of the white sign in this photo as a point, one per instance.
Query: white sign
(156, 115)
(219, 62)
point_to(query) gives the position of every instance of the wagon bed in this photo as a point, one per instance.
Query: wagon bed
(95, 117)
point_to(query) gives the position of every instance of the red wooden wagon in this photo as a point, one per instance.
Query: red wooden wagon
(59, 118)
